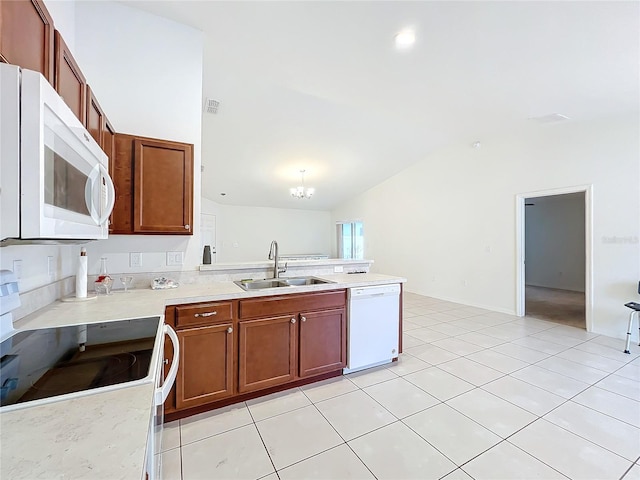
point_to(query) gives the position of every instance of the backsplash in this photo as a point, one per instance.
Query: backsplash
(40, 297)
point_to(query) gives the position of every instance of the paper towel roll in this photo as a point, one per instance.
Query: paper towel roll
(81, 277)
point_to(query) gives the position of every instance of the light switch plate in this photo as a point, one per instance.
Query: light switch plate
(50, 266)
(17, 269)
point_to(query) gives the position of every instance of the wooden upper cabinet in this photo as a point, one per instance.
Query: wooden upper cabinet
(163, 187)
(95, 118)
(108, 142)
(154, 186)
(121, 171)
(69, 81)
(26, 36)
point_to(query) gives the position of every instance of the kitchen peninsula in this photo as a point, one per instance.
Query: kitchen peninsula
(104, 435)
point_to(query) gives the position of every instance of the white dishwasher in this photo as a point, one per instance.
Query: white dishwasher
(373, 326)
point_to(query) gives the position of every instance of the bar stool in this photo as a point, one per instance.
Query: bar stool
(635, 310)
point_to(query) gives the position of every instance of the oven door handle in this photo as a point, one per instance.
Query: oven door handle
(163, 392)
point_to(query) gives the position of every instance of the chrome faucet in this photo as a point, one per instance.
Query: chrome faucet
(273, 255)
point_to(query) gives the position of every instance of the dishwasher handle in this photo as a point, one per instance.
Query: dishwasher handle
(377, 291)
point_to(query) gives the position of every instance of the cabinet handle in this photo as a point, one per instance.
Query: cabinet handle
(293, 320)
(230, 330)
(206, 314)
(187, 226)
(304, 319)
(86, 137)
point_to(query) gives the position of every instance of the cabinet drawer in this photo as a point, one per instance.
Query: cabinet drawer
(281, 305)
(203, 314)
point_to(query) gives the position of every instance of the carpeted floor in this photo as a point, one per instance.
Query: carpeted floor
(560, 306)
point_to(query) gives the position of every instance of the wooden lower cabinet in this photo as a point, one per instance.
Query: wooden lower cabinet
(323, 342)
(205, 373)
(233, 350)
(266, 352)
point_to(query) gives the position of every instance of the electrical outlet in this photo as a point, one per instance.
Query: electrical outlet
(17, 269)
(338, 269)
(50, 266)
(135, 259)
(174, 259)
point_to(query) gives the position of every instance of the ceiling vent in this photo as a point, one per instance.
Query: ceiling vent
(551, 118)
(211, 106)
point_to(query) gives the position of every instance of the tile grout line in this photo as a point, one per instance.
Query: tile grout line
(589, 385)
(428, 365)
(255, 425)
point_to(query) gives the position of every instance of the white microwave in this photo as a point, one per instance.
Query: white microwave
(54, 178)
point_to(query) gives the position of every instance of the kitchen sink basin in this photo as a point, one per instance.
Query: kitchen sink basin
(260, 284)
(298, 281)
(279, 282)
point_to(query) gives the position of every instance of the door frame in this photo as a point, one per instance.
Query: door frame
(588, 246)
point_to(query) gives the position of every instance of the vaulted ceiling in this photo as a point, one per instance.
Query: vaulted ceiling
(320, 86)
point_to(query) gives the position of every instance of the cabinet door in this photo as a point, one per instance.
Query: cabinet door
(109, 147)
(68, 79)
(163, 187)
(205, 372)
(108, 142)
(95, 118)
(121, 171)
(323, 342)
(267, 352)
(26, 36)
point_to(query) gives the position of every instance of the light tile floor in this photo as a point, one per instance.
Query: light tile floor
(477, 394)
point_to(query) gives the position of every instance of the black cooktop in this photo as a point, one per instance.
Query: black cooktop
(49, 362)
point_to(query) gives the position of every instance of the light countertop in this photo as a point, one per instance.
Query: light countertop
(104, 435)
(93, 436)
(146, 302)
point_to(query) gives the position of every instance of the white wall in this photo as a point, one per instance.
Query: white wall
(245, 233)
(448, 222)
(63, 13)
(554, 242)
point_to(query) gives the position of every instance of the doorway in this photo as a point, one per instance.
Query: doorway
(554, 256)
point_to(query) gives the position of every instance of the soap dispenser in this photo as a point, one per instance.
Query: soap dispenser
(206, 255)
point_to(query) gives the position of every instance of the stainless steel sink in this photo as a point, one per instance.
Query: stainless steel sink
(279, 282)
(260, 284)
(298, 281)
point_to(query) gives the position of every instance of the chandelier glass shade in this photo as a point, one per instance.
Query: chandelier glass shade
(301, 191)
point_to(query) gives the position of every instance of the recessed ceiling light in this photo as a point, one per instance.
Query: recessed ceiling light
(405, 38)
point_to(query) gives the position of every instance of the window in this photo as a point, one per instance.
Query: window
(350, 240)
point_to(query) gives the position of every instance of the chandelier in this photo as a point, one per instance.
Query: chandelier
(301, 192)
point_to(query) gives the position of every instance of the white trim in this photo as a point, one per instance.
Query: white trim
(588, 246)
